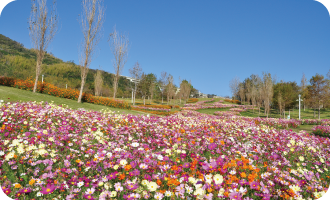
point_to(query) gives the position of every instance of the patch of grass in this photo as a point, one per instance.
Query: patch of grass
(294, 114)
(307, 128)
(212, 110)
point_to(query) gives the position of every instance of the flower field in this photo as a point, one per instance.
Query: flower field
(52, 152)
(321, 130)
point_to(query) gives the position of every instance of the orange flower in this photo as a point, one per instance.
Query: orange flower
(159, 182)
(243, 175)
(121, 176)
(211, 140)
(128, 167)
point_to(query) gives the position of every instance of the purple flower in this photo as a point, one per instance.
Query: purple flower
(133, 164)
(147, 160)
(254, 185)
(49, 189)
(235, 196)
(186, 165)
(88, 196)
(148, 177)
(212, 146)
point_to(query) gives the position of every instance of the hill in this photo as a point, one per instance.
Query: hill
(19, 62)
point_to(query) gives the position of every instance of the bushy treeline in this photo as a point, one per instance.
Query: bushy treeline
(314, 93)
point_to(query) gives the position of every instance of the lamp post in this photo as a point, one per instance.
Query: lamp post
(299, 100)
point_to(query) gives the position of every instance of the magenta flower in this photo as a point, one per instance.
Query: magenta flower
(88, 196)
(186, 165)
(235, 196)
(254, 185)
(49, 189)
(212, 146)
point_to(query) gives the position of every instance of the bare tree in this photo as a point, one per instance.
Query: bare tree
(136, 73)
(241, 92)
(267, 91)
(163, 82)
(185, 89)
(119, 47)
(234, 86)
(170, 89)
(42, 29)
(92, 19)
(303, 87)
(98, 82)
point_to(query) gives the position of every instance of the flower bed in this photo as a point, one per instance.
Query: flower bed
(50, 89)
(51, 152)
(192, 100)
(321, 130)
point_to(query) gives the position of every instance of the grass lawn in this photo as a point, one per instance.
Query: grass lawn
(13, 94)
(211, 111)
(294, 114)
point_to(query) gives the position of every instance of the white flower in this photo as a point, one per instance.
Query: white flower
(208, 178)
(20, 150)
(123, 162)
(160, 157)
(232, 172)
(152, 186)
(295, 188)
(135, 144)
(200, 193)
(107, 185)
(221, 192)
(113, 194)
(168, 193)
(2, 153)
(218, 179)
(39, 194)
(301, 158)
(81, 183)
(189, 190)
(145, 182)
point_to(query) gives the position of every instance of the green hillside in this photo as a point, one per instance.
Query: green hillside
(19, 62)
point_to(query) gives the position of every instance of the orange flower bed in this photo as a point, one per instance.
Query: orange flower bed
(154, 111)
(233, 101)
(50, 89)
(192, 100)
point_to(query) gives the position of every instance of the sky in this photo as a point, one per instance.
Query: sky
(207, 42)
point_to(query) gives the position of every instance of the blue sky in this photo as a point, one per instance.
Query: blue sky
(208, 42)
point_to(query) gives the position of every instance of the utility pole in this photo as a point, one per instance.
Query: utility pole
(299, 103)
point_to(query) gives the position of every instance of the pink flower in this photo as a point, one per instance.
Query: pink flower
(49, 189)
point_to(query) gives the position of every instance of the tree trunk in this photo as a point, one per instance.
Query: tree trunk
(115, 85)
(319, 112)
(39, 59)
(144, 100)
(314, 112)
(81, 90)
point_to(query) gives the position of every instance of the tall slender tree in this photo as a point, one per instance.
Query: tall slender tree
(267, 91)
(119, 44)
(303, 89)
(98, 82)
(136, 73)
(318, 90)
(42, 29)
(91, 22)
